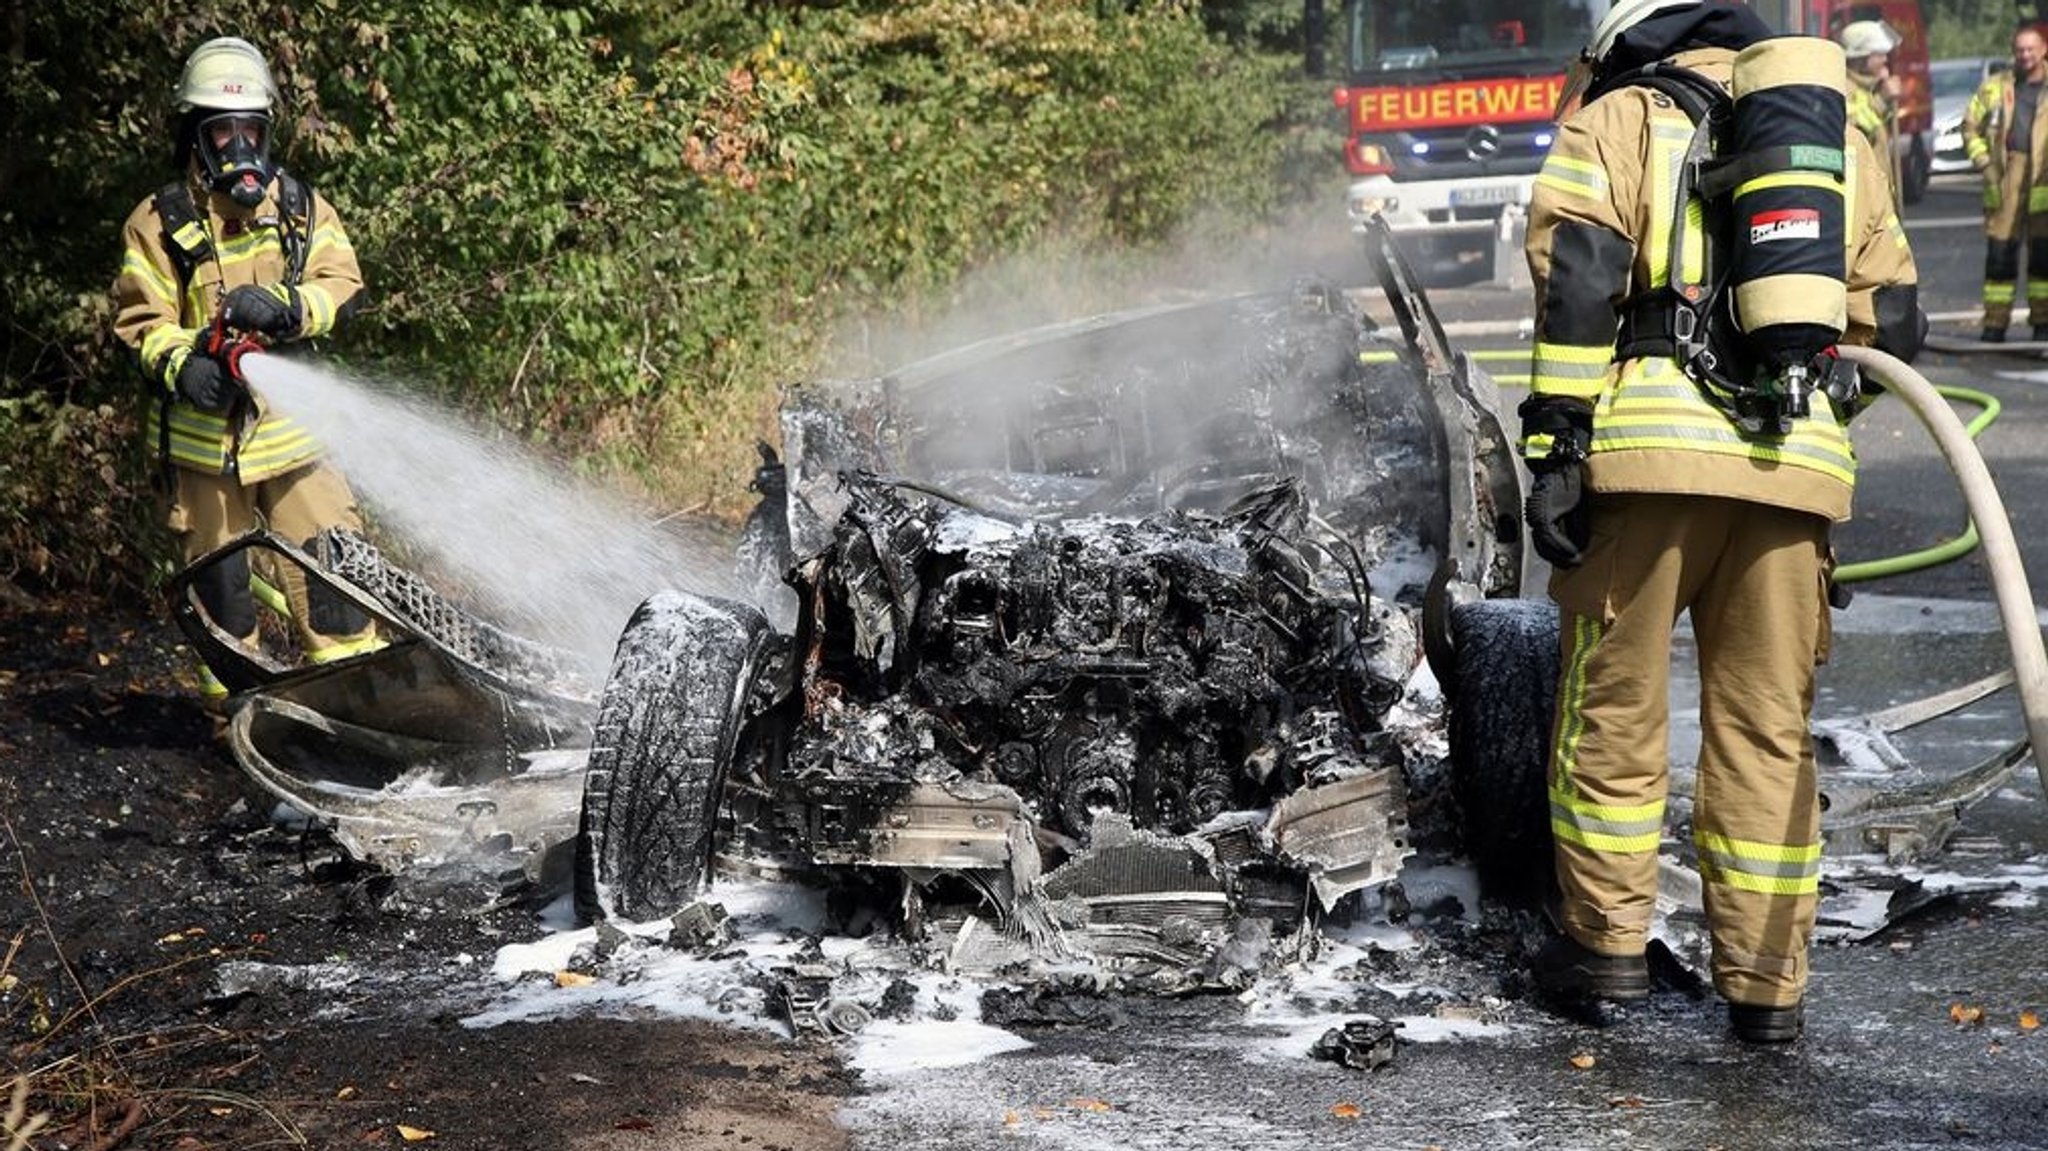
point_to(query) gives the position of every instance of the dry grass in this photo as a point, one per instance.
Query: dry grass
(18, 1124)
(108, 1091)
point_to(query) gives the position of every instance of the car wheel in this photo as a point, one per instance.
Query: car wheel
(667, 727)
(1502, 696)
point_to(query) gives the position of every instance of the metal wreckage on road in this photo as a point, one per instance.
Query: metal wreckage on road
(1082, 643)
(1093, 640)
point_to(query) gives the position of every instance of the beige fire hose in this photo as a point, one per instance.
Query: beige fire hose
(2002, 557)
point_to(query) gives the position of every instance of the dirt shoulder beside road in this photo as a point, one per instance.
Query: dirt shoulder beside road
(142, 867)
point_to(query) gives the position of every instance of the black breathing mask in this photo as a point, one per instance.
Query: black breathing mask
(234, 149)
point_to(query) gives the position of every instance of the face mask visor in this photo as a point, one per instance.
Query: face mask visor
(234, 148)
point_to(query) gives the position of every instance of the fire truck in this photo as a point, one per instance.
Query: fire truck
(1448, 108)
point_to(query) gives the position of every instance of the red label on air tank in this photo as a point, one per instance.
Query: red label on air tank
(1785, 224)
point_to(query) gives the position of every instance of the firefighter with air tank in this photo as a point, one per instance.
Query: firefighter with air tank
(237, 247)
(1687, 434)
(2005, 134)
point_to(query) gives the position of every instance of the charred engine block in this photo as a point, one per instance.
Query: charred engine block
(1168, 668)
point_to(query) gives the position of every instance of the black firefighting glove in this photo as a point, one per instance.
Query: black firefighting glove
(207, 384)
(1555, 511)
(271, 310)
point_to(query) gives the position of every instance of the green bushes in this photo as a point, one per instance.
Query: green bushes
(619, 227)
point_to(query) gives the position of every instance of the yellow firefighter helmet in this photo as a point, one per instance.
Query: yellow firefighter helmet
(226, 75)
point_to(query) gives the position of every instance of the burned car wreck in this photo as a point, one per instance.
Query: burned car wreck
(1094, 726)
(1087, 641)
(1091, 642)
(1095, 640)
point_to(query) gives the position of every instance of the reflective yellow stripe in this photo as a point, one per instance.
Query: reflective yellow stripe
(328, 239)
(1762, 885)
(1998, 292)
(1571, 357)
(190, 237)
(161, 288)
(1570, 369)
(277, 447)
(1749, 865)
(1667, 161)
(1795, 455)
(346, 648)
(1586, 633)
(249, 246)
(1794, 179)
(167, 345)
(1573, 176)
(201, 439)
(1606, 827)
(1799, 857)
(1626, 829)
(269, 596)
(1694, 253)
(210, 685)
(318, 304)
(1655, 407)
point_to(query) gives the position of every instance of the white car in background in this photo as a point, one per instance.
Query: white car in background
(1953, 82)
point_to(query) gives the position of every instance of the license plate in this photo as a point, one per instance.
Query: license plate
(1483, 196)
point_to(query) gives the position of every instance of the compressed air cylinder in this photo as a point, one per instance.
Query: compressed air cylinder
(1790, 219)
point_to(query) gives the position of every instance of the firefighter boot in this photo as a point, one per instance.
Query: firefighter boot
(1993, 335)
(1571, 972)
(1767, 1024)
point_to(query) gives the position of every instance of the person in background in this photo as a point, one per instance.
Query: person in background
(1651, 500)
(2005, 134)
(1873, 94)
(238, 247)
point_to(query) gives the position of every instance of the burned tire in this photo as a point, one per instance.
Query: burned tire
(1502, 697)
(667, 726)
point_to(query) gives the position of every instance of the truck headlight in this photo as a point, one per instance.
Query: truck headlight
(1364, 206)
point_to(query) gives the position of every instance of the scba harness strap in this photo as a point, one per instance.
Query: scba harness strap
(189, 243)
(1692, 320)
(1674, 318)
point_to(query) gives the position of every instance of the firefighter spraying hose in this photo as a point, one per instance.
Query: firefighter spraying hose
(2008, 577)
(228, 348)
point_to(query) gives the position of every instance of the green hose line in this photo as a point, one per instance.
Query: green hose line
(1942, 553)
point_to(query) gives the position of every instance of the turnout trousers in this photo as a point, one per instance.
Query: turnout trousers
(2013, 213)
(1754, 578)
(208, 510)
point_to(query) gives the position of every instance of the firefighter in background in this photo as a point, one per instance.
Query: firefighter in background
(1873, 93)
(239, 241)
(1650, 500)
(2005, 133)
